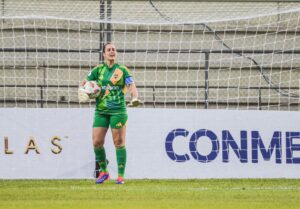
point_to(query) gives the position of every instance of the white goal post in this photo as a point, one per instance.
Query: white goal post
(183, 54)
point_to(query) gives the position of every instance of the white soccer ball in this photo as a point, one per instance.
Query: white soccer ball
(92, 89)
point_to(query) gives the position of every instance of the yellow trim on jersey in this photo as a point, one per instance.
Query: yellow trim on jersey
(123, 66)
(124, 90)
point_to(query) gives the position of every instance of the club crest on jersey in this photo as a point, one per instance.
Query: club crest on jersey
(116, 76)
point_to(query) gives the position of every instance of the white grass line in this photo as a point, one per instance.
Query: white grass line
(163, 188)
(248, 188)
(134, 188)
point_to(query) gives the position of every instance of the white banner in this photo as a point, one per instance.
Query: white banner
(161, 143)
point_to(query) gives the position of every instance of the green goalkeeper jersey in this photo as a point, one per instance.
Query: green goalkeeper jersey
(113, 90)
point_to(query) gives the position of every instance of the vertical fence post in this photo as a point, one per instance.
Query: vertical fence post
(153, 96)
(101, 28)
(206, 79)
(259, 98)
(42, 96)
(108, 25)
(44, 85)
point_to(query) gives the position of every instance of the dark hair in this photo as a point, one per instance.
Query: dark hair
(104, 47)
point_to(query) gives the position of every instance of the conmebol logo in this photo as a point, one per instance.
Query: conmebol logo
(242, 148)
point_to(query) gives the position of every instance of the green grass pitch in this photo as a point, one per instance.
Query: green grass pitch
(144, 194)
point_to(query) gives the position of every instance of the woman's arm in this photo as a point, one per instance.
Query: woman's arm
(134, 95)
(133, 91)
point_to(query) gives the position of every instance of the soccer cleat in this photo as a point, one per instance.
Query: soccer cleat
(102, 177)
(98, 170)
(120, 180)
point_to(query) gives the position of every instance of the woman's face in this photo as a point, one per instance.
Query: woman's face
(110, 53)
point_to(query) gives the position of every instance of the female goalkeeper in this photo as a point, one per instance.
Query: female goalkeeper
(115, 80)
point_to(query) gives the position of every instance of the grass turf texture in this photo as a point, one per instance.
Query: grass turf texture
(144, 194)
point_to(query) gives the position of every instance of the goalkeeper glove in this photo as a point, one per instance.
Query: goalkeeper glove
(134, 102)
(82, 96)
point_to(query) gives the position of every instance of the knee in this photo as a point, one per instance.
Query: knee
(97, 142)
(119, 142)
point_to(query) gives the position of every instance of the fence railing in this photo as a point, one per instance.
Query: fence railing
(155, 88)
(153, 102)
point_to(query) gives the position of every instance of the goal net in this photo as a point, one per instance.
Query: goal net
(183, 54)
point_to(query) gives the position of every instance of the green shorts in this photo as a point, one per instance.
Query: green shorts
(115, 121)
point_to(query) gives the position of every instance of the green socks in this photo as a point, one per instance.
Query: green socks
(101, 158)
(121, 160)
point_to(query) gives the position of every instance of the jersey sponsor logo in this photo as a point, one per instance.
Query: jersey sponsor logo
(109, 87)
(249, 145)
(107, 90)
